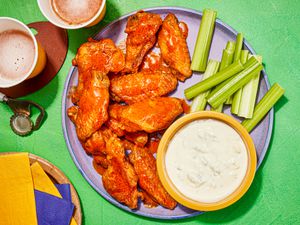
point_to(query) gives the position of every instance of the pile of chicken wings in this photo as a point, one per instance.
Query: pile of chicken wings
(121, 103)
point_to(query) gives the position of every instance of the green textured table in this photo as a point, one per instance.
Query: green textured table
(273, 28)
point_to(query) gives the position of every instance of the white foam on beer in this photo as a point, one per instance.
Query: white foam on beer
(76, 11)
(16, 54)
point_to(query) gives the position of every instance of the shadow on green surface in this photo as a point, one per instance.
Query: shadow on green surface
(224, 216)
(77, 37)
(46, 95)
(282, 101)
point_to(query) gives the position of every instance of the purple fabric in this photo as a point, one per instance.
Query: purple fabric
(65, 191)
(52, 210)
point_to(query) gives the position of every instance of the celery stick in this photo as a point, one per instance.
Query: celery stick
(227, 88)
(263, 107)
(203, 42)
(199, 102)
(237, 53)
(236, 100)
(214, 80)
(238, 47)
(228, 101)
(230, 47)
(244, 56)
(227, 58)
(218, 109)
(249, 92)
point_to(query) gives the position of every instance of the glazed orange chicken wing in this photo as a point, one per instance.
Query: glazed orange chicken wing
(145, 167)
(91, 110)
(147, 200)
(153, 61)
(173, 46)
(139, 86)
(141, 32)
(102, 56)
(95, 145)
(115, 127)
(149, 115)
(101, 160)
(120, 181)
(118, 176)
(139, 138)
(114, 146)
(99, 168)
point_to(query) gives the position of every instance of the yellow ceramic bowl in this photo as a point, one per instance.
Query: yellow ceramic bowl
(171, 188)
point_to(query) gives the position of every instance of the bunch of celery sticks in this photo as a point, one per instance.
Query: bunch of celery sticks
(233, 81)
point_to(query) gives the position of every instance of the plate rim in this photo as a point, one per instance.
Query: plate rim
(65, 96)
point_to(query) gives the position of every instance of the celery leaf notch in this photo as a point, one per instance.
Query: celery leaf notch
(203, 42)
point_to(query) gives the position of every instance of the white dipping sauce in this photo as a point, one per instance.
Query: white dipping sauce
(206, 160)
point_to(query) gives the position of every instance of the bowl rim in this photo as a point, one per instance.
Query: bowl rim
(171, 188)
(67, 26)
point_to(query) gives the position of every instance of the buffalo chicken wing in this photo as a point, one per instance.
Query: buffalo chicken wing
(119, 179)
(173, 46)
(145, 167)
(139, 86)
(101, 56)
(91, 110)
(149, 115)
(141, 32)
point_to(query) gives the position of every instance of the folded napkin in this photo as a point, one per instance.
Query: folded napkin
(65, 191)
(43, 183)
(17, 206)
(52, 210)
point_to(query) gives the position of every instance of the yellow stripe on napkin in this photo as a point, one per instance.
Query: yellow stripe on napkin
(17, 205)
(42, 182)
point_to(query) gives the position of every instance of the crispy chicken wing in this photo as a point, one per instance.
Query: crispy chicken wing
(98, 167)
(174, 50)
(145, 167)
(102, 56)
(100, 163)
(95, 145)
(91, 110)
(101, 160)
(141, 32)
(120, 181)
(139, 86)
(139, 138)
(147, 200)
(149, 115)
(153, 61)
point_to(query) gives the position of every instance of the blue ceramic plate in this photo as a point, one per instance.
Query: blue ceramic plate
(115, 30)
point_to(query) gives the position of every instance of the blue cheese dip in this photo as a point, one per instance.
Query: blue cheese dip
(206, 160)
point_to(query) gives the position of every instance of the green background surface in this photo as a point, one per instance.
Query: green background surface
(273, 29)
